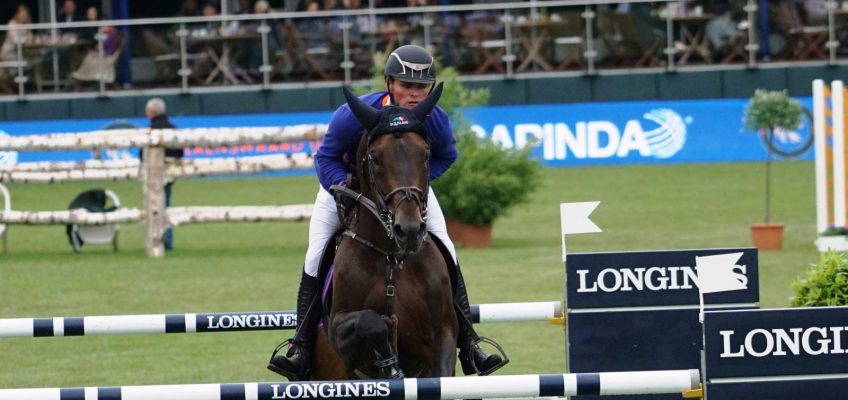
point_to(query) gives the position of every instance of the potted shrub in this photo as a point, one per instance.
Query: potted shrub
(826, 283)
(766, 111)
(486, 180)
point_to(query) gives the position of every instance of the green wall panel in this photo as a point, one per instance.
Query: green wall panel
(743, 83)
(800, 80)
(559, 90)
(689, 85)
(103, 107)
(511, 91)
(36, 109)
(625, 87)
(251, 102)
(302, 99)
(739, 83)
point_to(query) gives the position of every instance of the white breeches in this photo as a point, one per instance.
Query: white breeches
(325, 222)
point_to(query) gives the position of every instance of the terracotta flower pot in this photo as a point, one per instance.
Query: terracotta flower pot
(767, 236)
(470, 235)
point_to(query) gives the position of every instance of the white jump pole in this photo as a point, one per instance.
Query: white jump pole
(234, 321)
(506, 386)
(820, 135)
(838, 122)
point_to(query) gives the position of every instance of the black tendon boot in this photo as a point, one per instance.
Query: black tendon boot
(294, 365)
(473, 359)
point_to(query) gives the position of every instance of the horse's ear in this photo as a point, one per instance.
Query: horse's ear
(366, 114)
(423, 109)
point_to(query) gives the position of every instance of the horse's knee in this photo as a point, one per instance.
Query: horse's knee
(371, 328)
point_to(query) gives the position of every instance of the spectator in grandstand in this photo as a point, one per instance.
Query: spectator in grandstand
(9, 49)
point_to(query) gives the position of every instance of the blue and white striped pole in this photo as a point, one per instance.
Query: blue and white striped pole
(506, 386)
(232, 321)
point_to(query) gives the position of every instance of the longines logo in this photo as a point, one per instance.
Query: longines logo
(237, 321)
(645, 278)
(781, 342)
(330, 389)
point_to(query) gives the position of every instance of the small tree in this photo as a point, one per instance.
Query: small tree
(766, 111)
(826, 283)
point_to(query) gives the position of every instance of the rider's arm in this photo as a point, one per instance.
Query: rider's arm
(443, 151)
(343, 133)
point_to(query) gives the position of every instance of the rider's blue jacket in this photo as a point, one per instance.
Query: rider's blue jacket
(335, 158)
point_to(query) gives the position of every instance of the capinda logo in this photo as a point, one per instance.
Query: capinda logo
(398, 120)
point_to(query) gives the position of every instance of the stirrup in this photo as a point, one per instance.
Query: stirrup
(290, 375)
(498, 348)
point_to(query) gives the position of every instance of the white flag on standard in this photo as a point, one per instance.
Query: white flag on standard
(574, 217)
(715, 273)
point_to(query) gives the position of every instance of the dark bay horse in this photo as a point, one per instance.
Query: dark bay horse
(391, 312)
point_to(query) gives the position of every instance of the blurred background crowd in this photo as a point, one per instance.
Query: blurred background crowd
(244, 42)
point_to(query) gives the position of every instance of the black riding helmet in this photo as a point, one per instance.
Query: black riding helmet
(411, 63)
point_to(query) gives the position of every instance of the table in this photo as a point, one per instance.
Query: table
(692, 30)
(223, 62)
(35, 51)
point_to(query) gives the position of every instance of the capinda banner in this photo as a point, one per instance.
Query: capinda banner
(581, 134)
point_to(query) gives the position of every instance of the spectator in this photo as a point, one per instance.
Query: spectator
(9, 49)
(244, 7)
(155, 112)
(189, 9)
(94, 67)
(69, 14)
(253, 50)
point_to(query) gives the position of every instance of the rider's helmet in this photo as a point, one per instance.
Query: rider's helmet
(411, 63)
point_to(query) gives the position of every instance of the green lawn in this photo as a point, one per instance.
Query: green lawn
(244, 267)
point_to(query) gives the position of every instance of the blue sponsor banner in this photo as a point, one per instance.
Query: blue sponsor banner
(582, 134)
(652, 278)
(776, 342)
(645, 132)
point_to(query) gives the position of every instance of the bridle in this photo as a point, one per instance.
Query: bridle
(379, 207)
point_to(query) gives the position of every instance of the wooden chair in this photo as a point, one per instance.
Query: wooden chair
(802, 42)
(569, 37)
(631, 46)
(313, 50)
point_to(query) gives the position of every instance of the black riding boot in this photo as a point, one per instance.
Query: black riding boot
(295, 364)
(473, 359)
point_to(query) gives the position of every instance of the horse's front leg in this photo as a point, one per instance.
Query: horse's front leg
(362, 340)
(444, 362)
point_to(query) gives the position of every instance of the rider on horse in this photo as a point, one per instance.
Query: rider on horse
(410, 74)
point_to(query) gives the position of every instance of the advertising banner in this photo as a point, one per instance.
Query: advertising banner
(563, 135)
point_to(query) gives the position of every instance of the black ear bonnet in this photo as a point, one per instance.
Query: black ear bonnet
(393, 119)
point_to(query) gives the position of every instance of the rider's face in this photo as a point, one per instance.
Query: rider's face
(408, 94)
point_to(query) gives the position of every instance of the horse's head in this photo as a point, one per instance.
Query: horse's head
(392, 163)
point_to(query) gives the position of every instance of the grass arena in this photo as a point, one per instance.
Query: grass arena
(236, 267)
